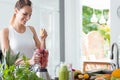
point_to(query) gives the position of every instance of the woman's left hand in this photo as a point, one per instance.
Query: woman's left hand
(43, 34)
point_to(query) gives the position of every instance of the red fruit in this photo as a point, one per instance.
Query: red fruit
(38, 50)
(73, 69)
(41, 50)
(43, 57)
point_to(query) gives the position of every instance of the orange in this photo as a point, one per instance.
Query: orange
(116, 73)
(108, 76)
(86, 76)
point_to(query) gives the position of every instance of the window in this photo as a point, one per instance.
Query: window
(96, 30)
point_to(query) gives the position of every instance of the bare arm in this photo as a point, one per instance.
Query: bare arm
(4, 40)
(43, 36)
(39, 44)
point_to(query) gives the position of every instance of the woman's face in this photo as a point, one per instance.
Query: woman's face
(23, 15)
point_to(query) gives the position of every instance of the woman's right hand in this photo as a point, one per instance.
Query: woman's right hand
(35, 59)
(43, 57)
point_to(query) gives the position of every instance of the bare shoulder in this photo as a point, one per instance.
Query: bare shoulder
(4, 31)
(32, 29)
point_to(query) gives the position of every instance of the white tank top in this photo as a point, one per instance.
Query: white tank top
(21, 42)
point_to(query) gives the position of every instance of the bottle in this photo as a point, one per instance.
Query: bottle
(71, 75)
(57, 67)
(63, 72)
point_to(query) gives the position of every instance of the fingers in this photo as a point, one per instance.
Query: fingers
(43, 33)
(18, 61)
(41, 57)
(36, 58)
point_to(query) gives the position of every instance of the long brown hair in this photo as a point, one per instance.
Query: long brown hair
(20, 4)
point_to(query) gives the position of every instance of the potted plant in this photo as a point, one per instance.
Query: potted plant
(9, 71)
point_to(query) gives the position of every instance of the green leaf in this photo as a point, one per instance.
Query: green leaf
(10, 58)
(12, 72)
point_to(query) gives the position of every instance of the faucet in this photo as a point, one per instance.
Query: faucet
(115, 52)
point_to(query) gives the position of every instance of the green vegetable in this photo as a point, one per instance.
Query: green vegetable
(8, 71)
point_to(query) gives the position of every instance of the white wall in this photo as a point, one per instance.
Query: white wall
(5, 13)
(115, 21)
(72, 32)
(115, 25)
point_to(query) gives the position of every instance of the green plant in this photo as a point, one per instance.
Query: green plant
(10, 59)
(105, 31)
(9, 71)
(87, 13)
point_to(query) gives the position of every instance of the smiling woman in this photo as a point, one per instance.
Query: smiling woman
(45, 14)
(19, 37)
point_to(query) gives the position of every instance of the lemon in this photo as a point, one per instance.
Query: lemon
(80, 76)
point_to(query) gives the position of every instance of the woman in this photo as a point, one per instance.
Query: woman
(21, 38)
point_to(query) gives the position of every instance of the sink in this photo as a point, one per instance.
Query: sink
(94, 72)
